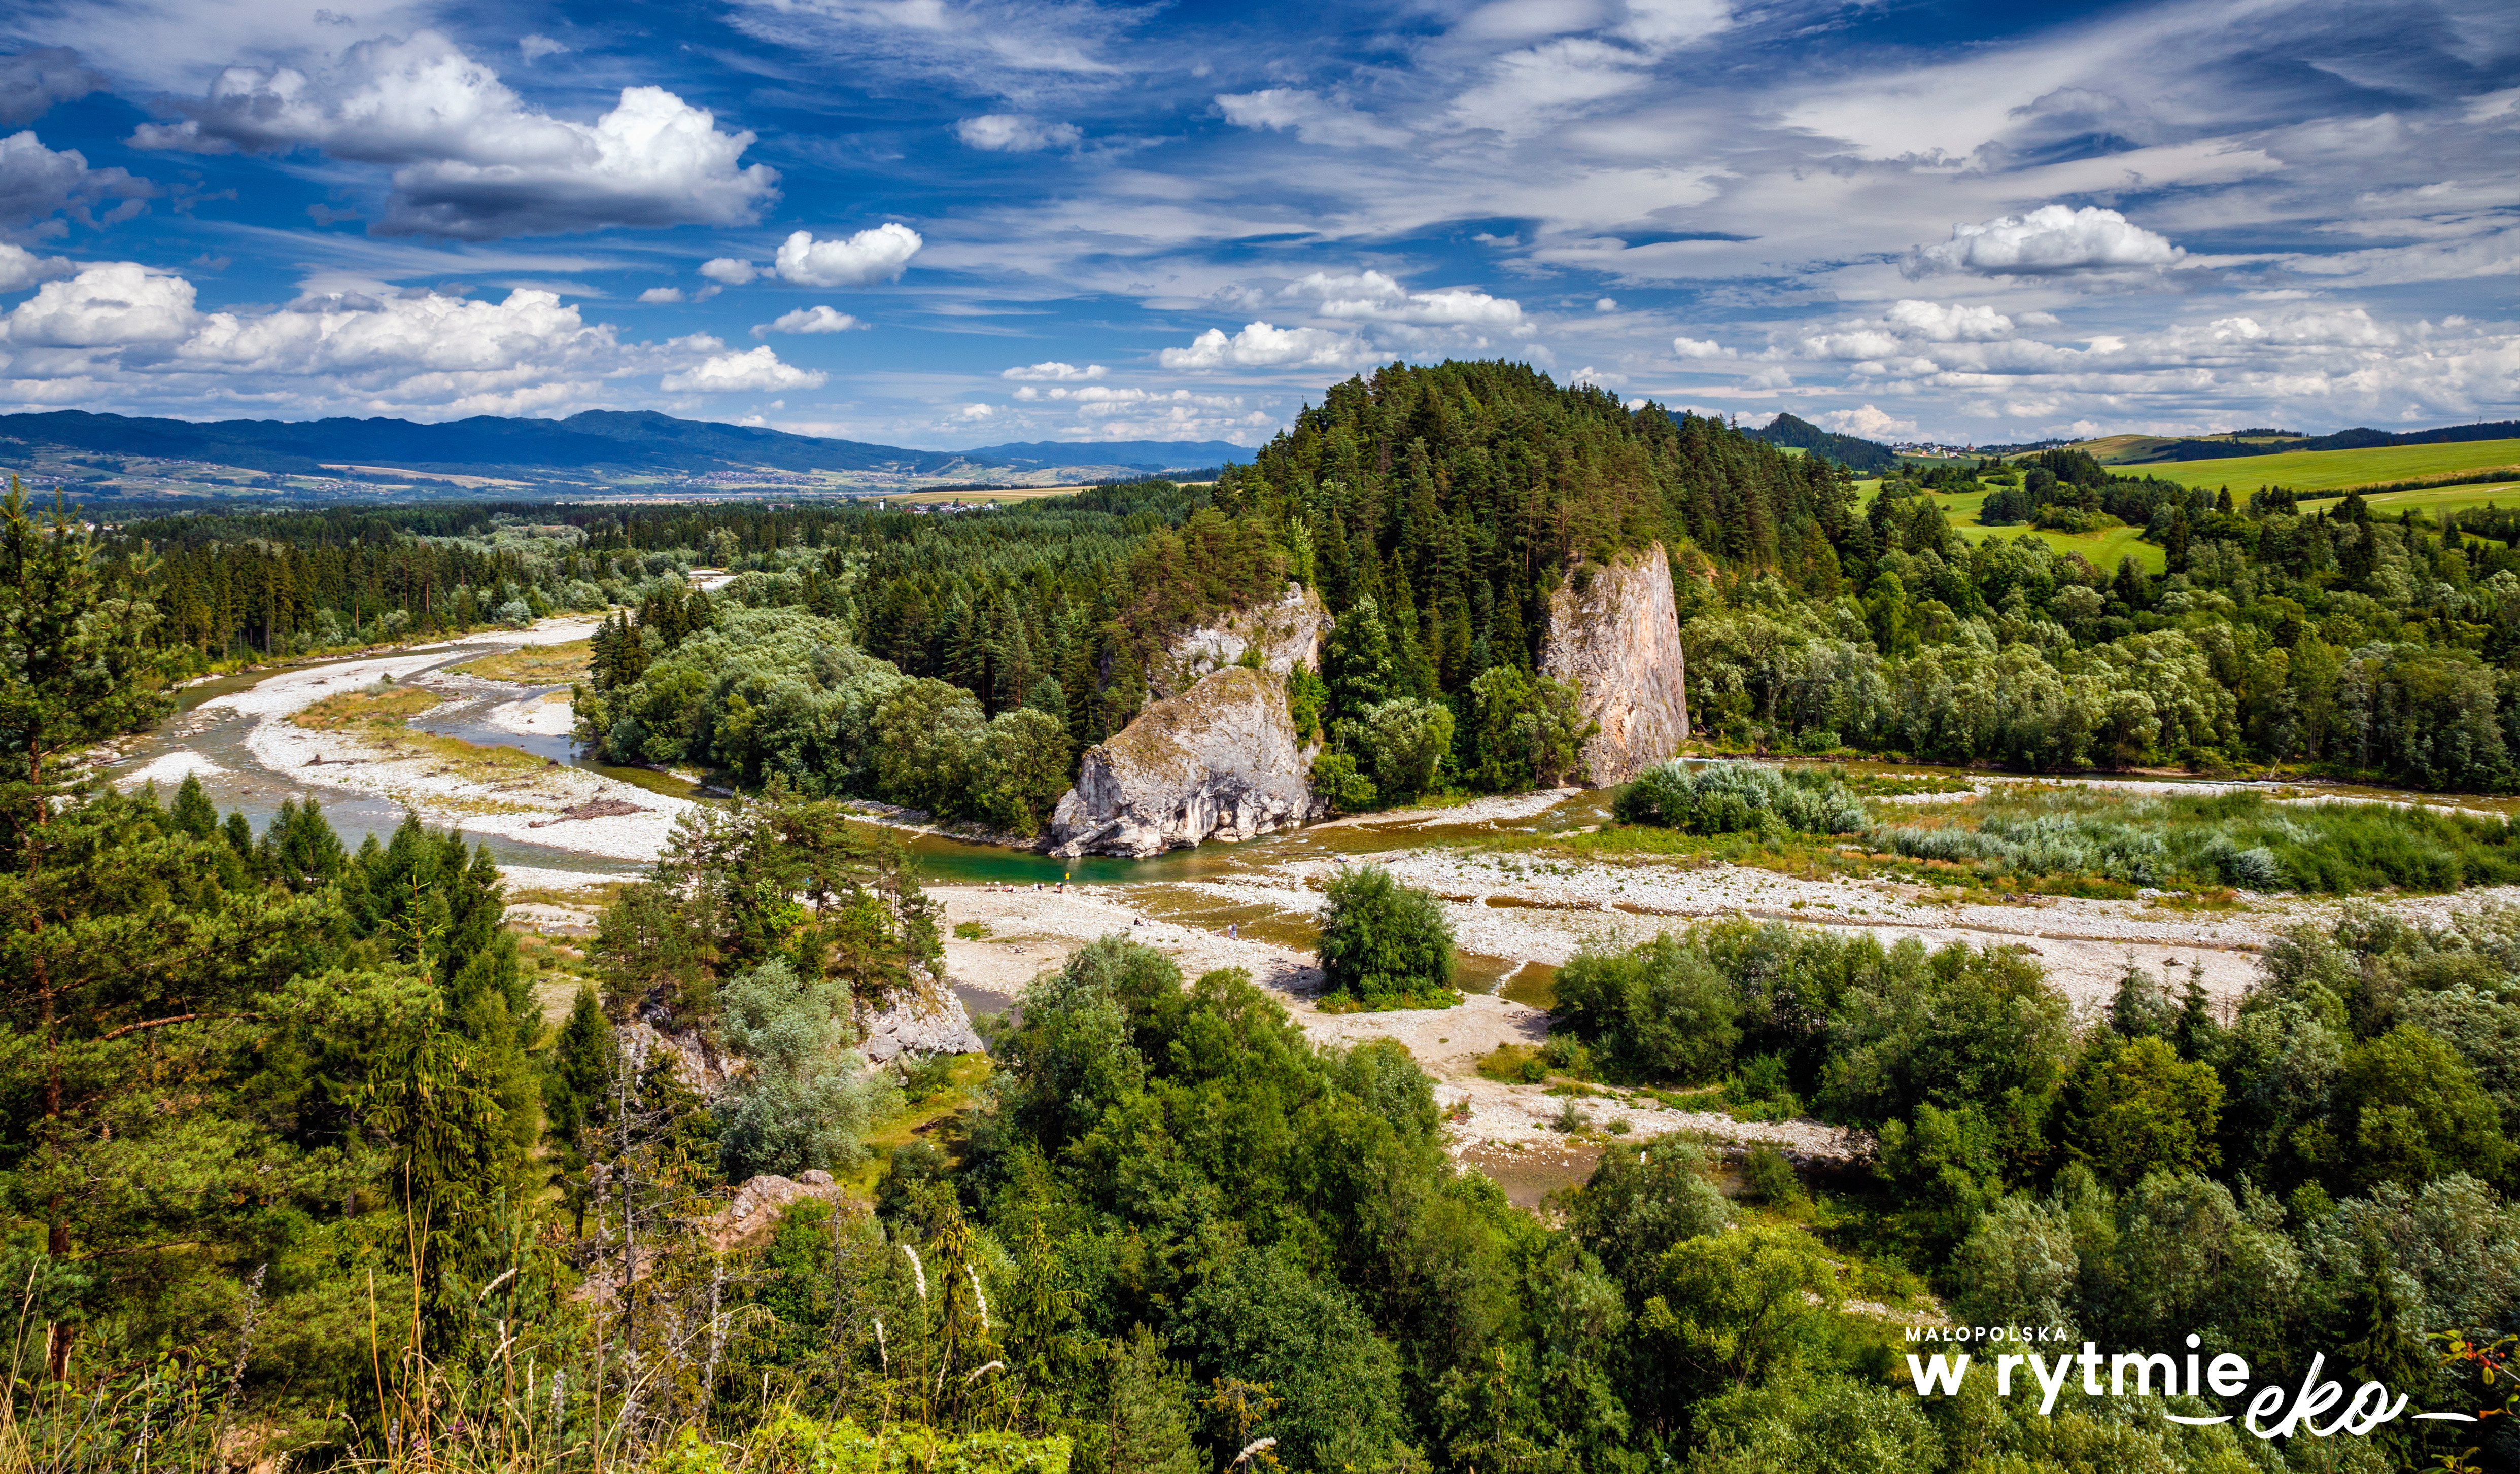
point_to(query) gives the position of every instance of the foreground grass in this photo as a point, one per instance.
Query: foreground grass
(534, 664)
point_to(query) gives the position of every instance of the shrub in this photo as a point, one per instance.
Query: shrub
(1386, 945)
(1725, 798)
(803, 1100)
(1406, 740)
(1768, 1178)
(1639, 1201)
(1661, 1010)
(1338, 783)
(2138, 1107)
(1762, 1091)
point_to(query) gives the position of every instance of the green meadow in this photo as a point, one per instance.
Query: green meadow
(2101, 549)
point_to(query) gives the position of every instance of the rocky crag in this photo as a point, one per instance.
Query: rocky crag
(1614, 631)
(1286, 634)
(1219, 761)
(926, 1019)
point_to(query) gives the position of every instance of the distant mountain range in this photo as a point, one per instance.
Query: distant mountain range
(595, 441)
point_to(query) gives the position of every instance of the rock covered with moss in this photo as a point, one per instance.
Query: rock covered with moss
(1219, 761)
(1614, 631)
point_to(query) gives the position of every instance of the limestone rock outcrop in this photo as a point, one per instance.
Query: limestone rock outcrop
(1286, 634)
(1615, 632)
(762, 1200)
(1219, 761)
(925, 1020)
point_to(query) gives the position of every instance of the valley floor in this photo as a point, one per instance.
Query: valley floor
(1519, 911)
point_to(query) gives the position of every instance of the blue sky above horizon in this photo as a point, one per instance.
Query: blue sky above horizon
(940, 223)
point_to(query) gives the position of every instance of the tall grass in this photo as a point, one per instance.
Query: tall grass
(2236, 839)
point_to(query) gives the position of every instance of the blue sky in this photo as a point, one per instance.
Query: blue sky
(939, 223)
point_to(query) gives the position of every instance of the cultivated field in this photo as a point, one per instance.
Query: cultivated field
(2337, 469)
(2432, 501)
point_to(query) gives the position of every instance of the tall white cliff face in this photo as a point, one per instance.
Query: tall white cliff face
(1615, 632)
(1219, 761)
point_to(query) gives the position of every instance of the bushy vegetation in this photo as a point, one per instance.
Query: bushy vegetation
(1385, 945)
(2234, 839)
(2323, 1166)
(1728, 798)
(293, 1163)
(1436, 510)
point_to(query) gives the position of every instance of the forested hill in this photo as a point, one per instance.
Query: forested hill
(1870, 457)
(597, 439)
(1464, 488)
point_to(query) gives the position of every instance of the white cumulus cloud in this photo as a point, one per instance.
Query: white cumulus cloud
(470, 159)
(1948, 322)
(862, 260)
(21, 268)
(1866, 422)
(1371, 297)
(2048, 241)
(113, 305)
(126, 333)
(727, 271)
(816, 319)
(1699, 348)
(1263, 345)
(757, 371)
(37, 182)
(1014, 133)
(1053, 370)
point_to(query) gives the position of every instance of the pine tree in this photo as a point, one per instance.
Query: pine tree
(1148, 1429)
(194, 812)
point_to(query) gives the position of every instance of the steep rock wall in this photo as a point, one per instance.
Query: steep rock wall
(1286, 634)
(1218, 761)
(1617, 636)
